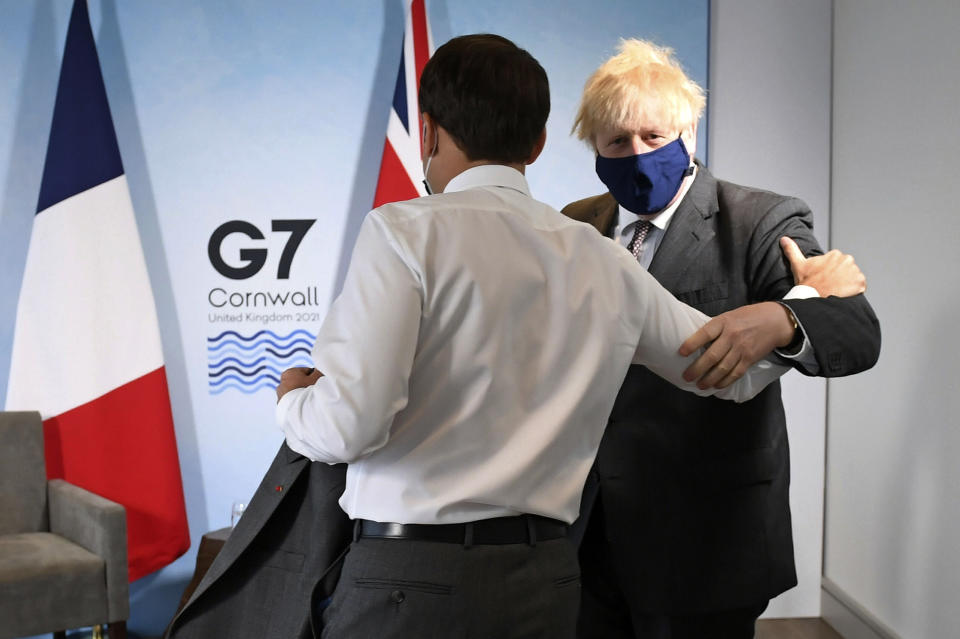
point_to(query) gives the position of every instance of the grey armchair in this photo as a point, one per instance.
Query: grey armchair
(63, 550)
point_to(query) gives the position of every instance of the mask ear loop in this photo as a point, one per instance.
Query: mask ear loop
(426, 169)
(690, 169)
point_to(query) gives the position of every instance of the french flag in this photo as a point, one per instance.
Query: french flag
(401, 172)
(86, 349)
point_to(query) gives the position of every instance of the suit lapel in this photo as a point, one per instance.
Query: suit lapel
(286, 467)
(603, 214)
(689, 231)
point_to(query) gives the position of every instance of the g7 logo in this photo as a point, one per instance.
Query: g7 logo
(255, 258)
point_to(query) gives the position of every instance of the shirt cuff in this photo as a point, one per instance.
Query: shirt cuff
(283, 407)
(805, 354)
(801, 292)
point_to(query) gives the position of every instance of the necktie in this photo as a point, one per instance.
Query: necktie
(640, 231)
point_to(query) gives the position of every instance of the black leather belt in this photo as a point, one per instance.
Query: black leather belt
(524, 529)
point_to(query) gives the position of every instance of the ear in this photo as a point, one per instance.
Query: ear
(428, 140)
(537, 147)
(690, 139)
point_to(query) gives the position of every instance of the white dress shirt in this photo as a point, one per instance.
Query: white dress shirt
(474, 354)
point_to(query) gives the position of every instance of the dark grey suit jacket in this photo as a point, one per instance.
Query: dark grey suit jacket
(695, 491)
(274, 566)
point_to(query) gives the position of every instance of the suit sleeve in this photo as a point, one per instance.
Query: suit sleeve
(844, 332)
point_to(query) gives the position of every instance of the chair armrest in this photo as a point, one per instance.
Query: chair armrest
(100, 526)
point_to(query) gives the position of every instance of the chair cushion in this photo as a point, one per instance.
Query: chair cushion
(48, 583)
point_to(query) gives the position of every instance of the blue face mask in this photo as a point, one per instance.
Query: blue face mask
(646, 183)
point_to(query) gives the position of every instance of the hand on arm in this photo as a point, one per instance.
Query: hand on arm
(298, 377)
(735, 340)
(669, 322)
(832, 274)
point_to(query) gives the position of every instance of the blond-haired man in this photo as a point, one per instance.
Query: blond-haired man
(688, 531)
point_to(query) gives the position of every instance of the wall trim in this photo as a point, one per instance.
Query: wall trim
(848, 617)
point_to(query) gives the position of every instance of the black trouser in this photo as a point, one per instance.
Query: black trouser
(597, 621)
(606, 614)
(407, 588)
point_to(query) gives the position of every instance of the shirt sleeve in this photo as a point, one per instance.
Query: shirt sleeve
(365, 350)
(667, 323)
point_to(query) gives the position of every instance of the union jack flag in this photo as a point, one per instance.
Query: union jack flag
(401, 173)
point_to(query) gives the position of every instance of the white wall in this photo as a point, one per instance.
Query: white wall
(770, 128)
(893, 472)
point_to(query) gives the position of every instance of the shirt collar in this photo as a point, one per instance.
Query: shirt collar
(662, 219)
(489, 175)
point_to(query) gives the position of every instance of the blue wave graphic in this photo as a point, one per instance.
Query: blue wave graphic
(252, 347)
(242, 355)
(262, 378)
(299, 331)
(281, 355)
(270, 360)
(237, 369)
(225, 352)
(251, 363)
(246, 391)
(300, 349)
(265, 367)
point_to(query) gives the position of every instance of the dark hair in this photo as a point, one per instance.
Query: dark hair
(490, 95)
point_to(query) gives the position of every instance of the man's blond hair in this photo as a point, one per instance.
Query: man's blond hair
(642, 83)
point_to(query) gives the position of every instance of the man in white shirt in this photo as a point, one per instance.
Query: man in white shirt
(466, 371)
